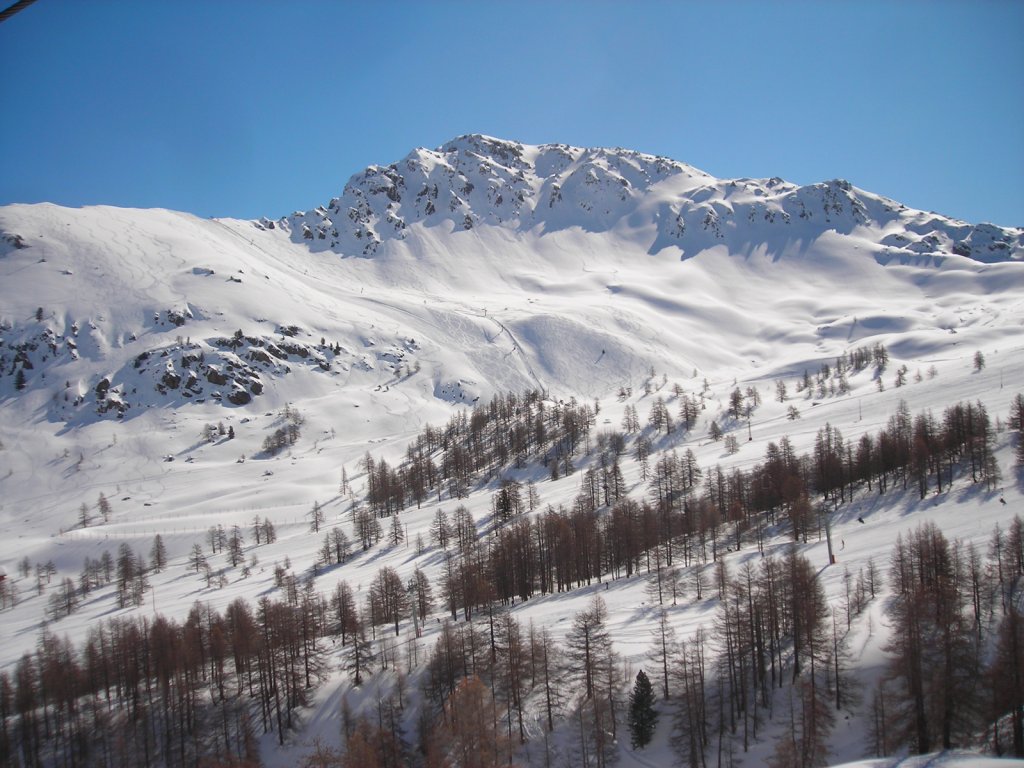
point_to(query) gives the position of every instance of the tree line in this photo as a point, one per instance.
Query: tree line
(688, 514)
(153, 691)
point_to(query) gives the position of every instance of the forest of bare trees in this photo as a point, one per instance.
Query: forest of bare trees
(158, 692)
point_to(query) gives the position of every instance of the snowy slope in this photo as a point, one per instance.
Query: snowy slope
(567, 243)
(481, 267)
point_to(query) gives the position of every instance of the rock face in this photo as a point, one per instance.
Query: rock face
(477, 181)
(224, 369)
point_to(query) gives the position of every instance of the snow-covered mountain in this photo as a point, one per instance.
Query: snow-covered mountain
(430, 285)
(633, 258)
(478, 180)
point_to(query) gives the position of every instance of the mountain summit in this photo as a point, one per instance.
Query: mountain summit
(478, 180)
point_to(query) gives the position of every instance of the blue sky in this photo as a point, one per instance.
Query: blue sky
(254, 108)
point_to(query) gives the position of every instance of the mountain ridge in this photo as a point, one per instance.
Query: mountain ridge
(106, 306)
(476, 179)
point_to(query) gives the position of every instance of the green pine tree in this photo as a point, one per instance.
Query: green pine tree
(642, 716)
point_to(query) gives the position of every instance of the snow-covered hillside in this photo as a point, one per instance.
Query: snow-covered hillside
(128, 338)
(634, 258)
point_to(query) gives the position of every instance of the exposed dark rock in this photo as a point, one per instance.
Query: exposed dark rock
(239, 397)
(170, 380)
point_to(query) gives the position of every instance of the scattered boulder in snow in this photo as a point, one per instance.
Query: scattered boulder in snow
(239, 396)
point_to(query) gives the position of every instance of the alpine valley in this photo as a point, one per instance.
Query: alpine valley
(427, 474)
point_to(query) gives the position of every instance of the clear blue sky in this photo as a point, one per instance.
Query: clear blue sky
(262, 107)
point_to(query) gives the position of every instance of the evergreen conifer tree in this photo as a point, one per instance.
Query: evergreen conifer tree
(642, 716)
(158, 554)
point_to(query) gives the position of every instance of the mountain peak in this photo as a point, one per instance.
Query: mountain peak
(478, 180)
(482, 144)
